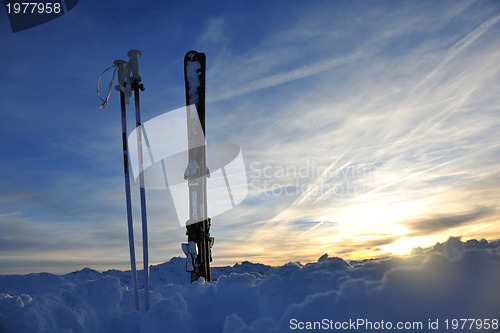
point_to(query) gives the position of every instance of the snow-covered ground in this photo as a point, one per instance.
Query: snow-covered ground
(453, 280)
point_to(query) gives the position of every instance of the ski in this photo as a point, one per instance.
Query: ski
(198, 248)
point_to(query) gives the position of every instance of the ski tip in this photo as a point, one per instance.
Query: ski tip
(193, 56)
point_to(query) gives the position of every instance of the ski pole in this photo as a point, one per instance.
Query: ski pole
(122, 66)
(129, 204)
(123, 72)
(136, 78)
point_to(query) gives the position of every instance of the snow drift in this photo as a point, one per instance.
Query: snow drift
(452, 280)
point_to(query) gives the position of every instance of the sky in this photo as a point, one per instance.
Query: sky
(366, 128)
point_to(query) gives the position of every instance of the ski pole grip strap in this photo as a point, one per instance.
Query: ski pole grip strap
(105, 101)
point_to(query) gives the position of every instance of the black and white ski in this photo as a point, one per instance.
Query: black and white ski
(198, 248)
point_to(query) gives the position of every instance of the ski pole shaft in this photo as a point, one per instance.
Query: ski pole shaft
(129, 201)
(136, 88)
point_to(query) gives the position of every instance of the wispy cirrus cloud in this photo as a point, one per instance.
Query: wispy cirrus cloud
(458, 48)
(358, 118)
(214, 31)
(285, 77)
(417, 119)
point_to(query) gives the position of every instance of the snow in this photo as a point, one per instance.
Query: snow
(451, 280)
(192, 75)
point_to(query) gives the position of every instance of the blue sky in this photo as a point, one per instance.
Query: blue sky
(367, 128)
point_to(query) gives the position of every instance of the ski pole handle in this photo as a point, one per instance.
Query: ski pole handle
(123, 79)
(134, 64)
(123, 72)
